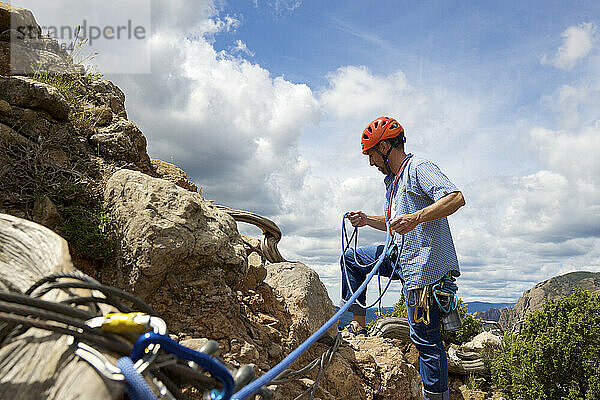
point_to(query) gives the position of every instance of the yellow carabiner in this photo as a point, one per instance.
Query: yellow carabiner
(422, 302)
(135, 322)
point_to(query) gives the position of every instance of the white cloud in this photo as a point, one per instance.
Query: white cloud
(242, 49)
(578, 41)
(227, 121)
(356, 93)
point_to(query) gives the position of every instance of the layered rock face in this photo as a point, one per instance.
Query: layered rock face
(551, 289)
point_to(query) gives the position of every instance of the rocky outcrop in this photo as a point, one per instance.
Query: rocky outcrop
(493, 314)
(166, 230)
(23, 49)
(173, 173)
(551, 289)
(26, 92)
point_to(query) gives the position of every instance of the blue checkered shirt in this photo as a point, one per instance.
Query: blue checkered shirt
(428, 252)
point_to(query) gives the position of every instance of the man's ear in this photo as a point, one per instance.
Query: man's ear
(383, 146)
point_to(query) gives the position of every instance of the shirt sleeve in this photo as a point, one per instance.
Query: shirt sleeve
(433, 182)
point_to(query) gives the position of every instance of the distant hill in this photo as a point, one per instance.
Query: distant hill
(480, 306)
(553, 288)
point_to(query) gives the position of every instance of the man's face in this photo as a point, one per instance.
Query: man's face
(376, 159)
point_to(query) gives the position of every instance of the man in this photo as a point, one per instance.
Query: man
(419, 197)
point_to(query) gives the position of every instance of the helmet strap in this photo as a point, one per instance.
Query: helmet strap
(385, 159)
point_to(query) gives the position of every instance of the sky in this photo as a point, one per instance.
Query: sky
(263, 103)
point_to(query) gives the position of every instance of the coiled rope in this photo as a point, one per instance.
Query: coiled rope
(254, 386)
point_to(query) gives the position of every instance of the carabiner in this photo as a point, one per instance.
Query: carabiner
(125, 323)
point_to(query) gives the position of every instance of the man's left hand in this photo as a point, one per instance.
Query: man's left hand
(404, 223)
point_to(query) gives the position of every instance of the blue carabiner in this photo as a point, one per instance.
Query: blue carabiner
(207, 362)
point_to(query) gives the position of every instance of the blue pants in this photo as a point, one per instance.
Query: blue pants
(427, 338)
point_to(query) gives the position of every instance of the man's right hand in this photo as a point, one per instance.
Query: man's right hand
(357, 218)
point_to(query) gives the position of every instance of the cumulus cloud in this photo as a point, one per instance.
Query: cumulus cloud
(233, 126)
(578, 41)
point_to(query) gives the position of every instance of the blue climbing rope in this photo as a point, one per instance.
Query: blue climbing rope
(207, 362)
(254, 386)
(346, 243)
(137, 388)
(446, 288)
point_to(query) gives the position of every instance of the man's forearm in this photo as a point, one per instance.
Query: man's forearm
(444, 207)
(376, 221)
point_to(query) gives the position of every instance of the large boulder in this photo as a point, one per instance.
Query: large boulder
(166, 230)
(304, 296)
(385, 371)
(20, 19)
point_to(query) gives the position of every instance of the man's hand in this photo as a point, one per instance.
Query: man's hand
(404, 223)
(357, 218)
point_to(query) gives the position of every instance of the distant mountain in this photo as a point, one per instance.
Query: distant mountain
(553, 288)
(480, 306)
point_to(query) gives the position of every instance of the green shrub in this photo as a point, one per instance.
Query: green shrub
(557, 353)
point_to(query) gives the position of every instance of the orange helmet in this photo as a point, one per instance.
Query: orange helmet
(380, 129)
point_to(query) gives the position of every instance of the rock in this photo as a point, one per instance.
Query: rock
(166, 230)
(481, 341)
(174, 174)
(386, 370)
(101, 116)
(46, 213)
(20, 19)
(256, 272)
(8, 134)
(304, 296)
(109, 94)
(5, 108)
(29, 93)
(123, 141)
(23, 51)
(26, 57)
(392, 327)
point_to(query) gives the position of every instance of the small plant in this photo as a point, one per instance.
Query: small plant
(87, 231)
(80, 102)
(77, 56)
(473, 382)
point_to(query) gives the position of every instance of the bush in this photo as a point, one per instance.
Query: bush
(557, 353)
